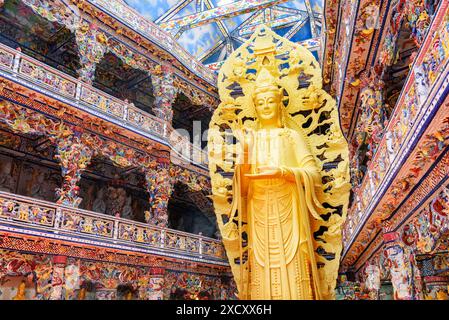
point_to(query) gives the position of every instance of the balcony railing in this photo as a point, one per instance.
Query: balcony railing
(80, 94)
(59, 220)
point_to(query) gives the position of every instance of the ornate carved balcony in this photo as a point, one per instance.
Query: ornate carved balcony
(24, 215)
(38, 76)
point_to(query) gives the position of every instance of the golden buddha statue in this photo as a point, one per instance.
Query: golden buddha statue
(278, 177)
(442, 295)
(82, 294)
(280, 215)
(20, 291)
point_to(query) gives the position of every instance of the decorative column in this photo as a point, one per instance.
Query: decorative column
(401, 270)
(57, 278)
(72, 279)
(165, 93)
(92, 45)
(372, 281)
(74, 156)
(418, 292)
(154, 290)
(159, 184)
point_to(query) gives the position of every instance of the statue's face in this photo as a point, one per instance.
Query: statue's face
(267, 105)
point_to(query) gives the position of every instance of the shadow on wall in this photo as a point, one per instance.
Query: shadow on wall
(190, 219)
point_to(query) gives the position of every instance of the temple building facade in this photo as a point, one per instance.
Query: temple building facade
(105, 191)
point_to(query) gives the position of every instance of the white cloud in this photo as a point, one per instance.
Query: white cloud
(189, 9)
(224, 2)
(299, 4)
(199, 39)
(142, 3)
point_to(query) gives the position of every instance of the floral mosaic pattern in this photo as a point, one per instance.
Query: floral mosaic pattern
(12, 209)
(40, 74)
(102, 102)
(131, 232)
(84, 223)
(6, 59)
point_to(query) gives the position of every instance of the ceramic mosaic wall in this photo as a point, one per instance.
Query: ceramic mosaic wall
(184, 285)
(46, 278)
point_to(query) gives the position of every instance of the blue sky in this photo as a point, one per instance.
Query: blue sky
(198, 40)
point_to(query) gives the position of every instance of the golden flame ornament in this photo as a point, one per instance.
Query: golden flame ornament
(279, 170)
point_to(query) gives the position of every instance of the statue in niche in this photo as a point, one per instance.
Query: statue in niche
(217, 234)
(89, 198)
(7, 179)
(115, 201)
(54, 181)
(273, 136)
(99, 204)
(180, 225)
(138, 209)
(129, 295)
(20, 291)
(82, 294)
(127, 211)
(32, 173)
(38, 187)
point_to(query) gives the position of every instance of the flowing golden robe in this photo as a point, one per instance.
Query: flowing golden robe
(281, 259)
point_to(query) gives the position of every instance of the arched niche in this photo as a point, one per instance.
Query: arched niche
(396, 74)
(191, 211)
(28, 165)
(49, 42)
(124, 82)
(125, 291)
(191, 118)
(112, 190)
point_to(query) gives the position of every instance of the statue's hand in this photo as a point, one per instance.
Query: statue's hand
(266, 173)
(272, 173)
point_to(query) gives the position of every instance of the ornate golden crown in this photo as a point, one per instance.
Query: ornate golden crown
(265, 81)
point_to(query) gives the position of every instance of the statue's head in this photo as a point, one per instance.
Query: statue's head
(267, 99)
